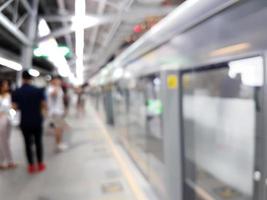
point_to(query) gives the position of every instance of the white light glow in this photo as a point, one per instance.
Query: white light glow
(250, 69)
(42, 52)
(34, 72)
(87, 22)
(10, 64)
(54, 56)
(80, 10)
(157, 81)
(127, 75)
(43, 28)
(118, 73)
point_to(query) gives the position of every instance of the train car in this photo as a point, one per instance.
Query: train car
(189, 101)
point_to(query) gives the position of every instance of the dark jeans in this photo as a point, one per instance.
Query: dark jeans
(33, 136)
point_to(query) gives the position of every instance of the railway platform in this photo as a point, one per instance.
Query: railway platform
(94, 167)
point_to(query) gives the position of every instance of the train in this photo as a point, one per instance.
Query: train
(188, 101)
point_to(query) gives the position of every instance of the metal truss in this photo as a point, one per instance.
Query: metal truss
(126, 16)
(13, 14)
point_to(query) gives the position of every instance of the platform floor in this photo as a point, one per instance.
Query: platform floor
(91, 169)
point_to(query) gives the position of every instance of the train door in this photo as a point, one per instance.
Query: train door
(222, 114)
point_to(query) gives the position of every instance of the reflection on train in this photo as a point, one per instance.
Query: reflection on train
(137, 109)
(194, 96)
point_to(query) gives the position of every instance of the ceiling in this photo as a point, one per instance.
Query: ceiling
(102, 42)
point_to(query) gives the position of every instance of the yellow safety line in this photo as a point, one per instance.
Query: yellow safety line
(137, 191)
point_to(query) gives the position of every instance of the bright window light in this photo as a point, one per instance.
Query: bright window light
(10, 64)
(80, 10)
(34, 72)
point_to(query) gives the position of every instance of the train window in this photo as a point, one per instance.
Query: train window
(219, 128)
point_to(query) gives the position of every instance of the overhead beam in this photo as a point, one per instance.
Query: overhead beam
(129, 16)
(13, 29)
(71, 28)
(27, 6)
(100, 11)
(5, 5)
(113, 5)
(62, 10)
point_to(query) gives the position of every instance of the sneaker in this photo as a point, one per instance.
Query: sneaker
(62, 147)
(31, 169)
(41, 167)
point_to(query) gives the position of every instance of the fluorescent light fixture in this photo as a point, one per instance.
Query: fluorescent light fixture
(80, 10)
(10, 64)
(230, 49)
(250, 69)
(39, 52)
(34, 72)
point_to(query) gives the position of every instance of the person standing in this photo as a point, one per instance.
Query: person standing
(81, 98)
(56, 110)
(30, 100)
(6, 161)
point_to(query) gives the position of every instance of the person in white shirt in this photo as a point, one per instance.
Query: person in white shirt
(56, 110)
(6, 161)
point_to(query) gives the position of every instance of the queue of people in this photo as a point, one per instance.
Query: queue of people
(35, 105)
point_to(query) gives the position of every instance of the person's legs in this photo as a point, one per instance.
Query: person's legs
(28, 140)
(59, 129)
(6, 157)
(38, 138)
(58, 135)
(2, 158)
(7, 152)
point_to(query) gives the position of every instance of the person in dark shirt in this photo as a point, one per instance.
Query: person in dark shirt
(30, 100)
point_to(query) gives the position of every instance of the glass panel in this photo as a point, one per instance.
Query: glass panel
(136, 124)
(120, 112)
(155, 141)
(219, 116)
(145, 129)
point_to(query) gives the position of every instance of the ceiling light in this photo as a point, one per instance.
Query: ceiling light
(10, 64)
(45, 52)
(34, 72)
(230, 49)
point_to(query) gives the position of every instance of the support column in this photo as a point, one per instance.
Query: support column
(26, 54)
